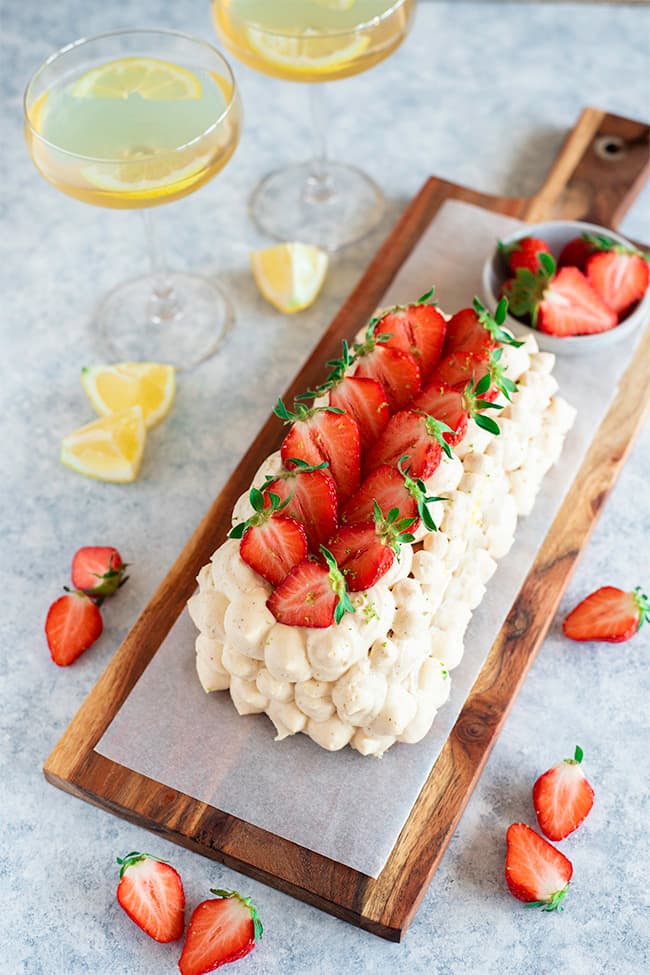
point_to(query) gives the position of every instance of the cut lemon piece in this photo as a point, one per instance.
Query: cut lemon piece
(151, 78)
(312, 50)
(149, 385)
(290, 275)
(109, 449)
(336, 4)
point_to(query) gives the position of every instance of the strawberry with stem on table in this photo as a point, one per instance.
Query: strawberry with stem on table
(310, 493)
(151, 892)
(323, 433)
(391, 488)
(609, 615)
(271, 542)
(396, 370)
(418, 329)
(536, 872)
(98, 570)
(314, 594)
(221, 930)
(562, 303)
(73, 624)
(365, 552)
(563, 798)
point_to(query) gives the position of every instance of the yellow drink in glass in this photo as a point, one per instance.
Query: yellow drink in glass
(131, 120)
(321, 202)
(312, 40)
(133, 132)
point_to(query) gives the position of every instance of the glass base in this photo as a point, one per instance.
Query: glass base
(180, 322)
(338, 207)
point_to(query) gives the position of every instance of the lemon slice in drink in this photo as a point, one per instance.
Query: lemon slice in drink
(311, 51)
(151, 78)
(109, 449)
(290, 275)
(149, 385)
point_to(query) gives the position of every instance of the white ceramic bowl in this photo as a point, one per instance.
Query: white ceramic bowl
(557, 233)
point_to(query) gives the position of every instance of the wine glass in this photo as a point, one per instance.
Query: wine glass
(131, 120)
(320, 202)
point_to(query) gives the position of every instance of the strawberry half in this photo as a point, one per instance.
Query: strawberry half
(310, 496)
(324, 434)
(396, 370)
(563, 798)
(365, 552)
(620, 277)
(414, 435)
(366, 401)
(455, 406)
(536, 872)
(523, 253)
(477, 332)
(151, 892)
(391, 487)
(314, 594)
(220, 931)
(609, 615)
(271, 543)
(560, 304)
(72, 625)
(98, 571)
(418, 329)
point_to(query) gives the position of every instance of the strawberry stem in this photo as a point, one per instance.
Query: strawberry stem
(643, 606)
(339, 586)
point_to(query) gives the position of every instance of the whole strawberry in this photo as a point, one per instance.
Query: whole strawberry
(151, 892)
(98, 570)
(221, 930)
(563, 798)
(524, 253)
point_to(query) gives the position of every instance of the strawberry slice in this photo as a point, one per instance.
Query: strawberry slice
(391, 487)
(271, 543)
(563, 798)
(576, 252)
(536, 872)
(560, 304)
(324, 435)
(466, 334)
(73, 623)
(98, 570)
(418, 329)
(524, 253)
(220, 931)
(414, 435)
(314, 594)
(310, 496)
(151, 892)
(366, 401)
(609, 615)
(455, 405)
(620, 277)
(396, 370)
(365, 552)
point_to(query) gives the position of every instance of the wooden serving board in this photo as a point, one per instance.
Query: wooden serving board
(597, 175)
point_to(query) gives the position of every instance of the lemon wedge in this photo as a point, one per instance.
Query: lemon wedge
(290, 275)
(149, 385)
(151, 78)
(109, 449)
(311, 51)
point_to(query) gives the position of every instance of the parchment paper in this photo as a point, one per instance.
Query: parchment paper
(341, 805)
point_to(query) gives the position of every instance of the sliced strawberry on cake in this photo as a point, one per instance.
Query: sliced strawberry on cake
(391, 488)
(310, 496)
(418, 329)
(455, 406)
(396, 370)
(314, 594)
(474, 330)
(271, 543)
(560, 304)
(365, 552)
(414, 435)
(323, 434)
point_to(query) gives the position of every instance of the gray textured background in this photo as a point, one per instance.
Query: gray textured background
(480, 94)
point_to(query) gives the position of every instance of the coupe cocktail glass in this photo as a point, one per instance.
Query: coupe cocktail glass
(132, 120)
(320, 202)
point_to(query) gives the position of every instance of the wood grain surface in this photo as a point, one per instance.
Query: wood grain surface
(588, 181)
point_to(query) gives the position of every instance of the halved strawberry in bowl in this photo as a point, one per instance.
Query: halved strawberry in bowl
(620, 276)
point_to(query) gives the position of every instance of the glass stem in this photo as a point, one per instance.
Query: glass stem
(319, 188)
(162, 303)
